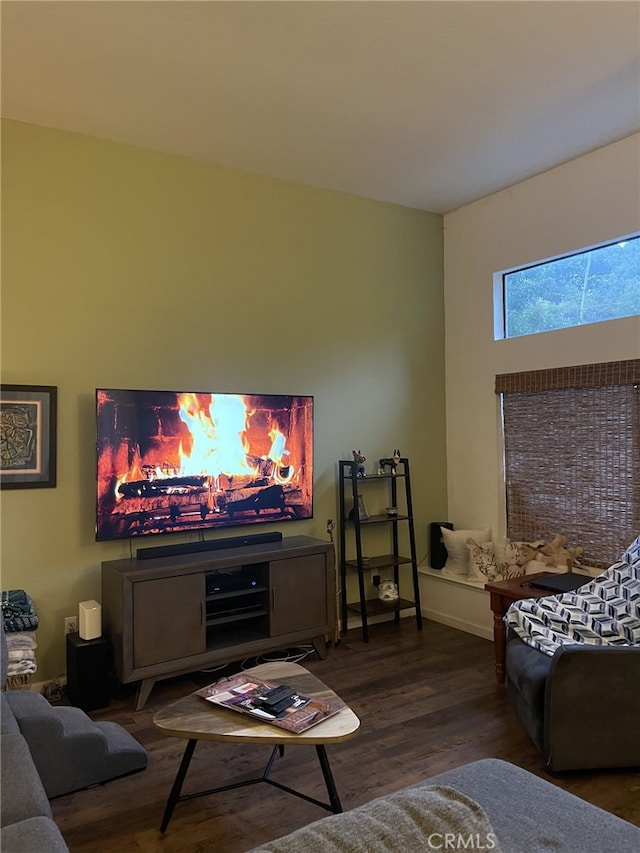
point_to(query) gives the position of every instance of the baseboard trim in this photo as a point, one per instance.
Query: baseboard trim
(458, 624)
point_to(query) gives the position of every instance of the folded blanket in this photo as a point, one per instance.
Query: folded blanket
(415, 819)
(605, 612)
(21, 667)
(21, 654)
(18, 611)
(21, 640)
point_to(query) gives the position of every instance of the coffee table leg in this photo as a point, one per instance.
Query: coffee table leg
(275, 751)
(174, 796)
(334, 799)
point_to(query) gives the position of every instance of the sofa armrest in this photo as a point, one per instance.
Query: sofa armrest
(592, 708)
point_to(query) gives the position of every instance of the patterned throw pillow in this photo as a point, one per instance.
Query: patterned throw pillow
(512, 558)
(482, 562)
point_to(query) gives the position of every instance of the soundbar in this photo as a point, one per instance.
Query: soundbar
(207, 545)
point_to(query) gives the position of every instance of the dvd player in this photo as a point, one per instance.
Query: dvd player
(236, 579)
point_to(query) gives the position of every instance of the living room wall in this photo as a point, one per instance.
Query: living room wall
(133, 269)
(592, 199)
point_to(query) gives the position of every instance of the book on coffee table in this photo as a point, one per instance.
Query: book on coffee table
(276, 704)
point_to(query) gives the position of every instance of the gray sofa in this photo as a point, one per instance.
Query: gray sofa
(47, 751)
(25, 814)
(27, 824)
(485, 805)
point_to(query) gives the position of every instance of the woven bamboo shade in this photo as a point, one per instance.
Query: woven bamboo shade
(572, 456)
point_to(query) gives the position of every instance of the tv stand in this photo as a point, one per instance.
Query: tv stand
(171, 615)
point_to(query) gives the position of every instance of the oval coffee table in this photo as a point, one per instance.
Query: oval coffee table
(196, 719)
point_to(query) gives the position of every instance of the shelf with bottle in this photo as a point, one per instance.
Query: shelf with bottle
(377, 607)
(382, 518)
(380, 561)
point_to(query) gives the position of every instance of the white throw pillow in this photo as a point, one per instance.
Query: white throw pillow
(482, 562)
(455, 541)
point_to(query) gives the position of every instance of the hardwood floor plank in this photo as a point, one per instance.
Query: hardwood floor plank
(428, 702)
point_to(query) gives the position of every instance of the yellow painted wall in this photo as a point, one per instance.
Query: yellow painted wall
(132, 269)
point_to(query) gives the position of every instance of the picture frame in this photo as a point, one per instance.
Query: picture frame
(363, 515)
(28, 433)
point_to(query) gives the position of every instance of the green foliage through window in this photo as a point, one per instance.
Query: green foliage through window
(588, 287)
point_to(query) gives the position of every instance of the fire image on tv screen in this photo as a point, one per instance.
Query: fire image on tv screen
(170, 462)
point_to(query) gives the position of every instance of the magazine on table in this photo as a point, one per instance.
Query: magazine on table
(276, 704)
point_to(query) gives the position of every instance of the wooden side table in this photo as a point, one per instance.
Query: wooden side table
(503, 594)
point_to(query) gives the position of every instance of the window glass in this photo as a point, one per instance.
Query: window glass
(587, 287)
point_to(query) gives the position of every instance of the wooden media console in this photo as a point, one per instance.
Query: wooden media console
(171, 615)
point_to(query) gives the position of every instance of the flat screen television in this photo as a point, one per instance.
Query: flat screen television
(178, 461)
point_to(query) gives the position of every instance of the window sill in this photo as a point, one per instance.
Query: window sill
(462, 580)
(456, 580)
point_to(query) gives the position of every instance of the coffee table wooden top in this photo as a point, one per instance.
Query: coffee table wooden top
(194, 717)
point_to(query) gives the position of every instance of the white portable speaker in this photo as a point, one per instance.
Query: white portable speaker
(90, 621)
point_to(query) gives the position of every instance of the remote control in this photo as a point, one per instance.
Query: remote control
(276, 695)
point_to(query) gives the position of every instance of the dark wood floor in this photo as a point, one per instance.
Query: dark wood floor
(428, 702)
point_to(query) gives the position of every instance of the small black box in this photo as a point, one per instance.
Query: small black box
(438, 550)
(88, 684)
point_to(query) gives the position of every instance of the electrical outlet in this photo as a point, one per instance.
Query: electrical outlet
(70, 624)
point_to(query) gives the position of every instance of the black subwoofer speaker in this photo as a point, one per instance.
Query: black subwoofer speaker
(438, 550)
(88, 683)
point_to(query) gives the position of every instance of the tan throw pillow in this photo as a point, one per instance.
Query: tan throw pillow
(455, 541)
(482, 562)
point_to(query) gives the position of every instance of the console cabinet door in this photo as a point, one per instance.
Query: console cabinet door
(298, 589)
(168, 621)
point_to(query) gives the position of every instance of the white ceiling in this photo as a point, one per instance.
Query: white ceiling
(427, 104)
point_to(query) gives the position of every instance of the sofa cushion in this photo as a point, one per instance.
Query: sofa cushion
(35, 833)
(401, 821)
(22, 794)
(8, 722)
(532, 815)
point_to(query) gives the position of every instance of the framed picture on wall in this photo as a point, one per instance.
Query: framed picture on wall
(28, 436)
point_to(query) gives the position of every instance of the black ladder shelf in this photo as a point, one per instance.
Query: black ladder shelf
(353, 521)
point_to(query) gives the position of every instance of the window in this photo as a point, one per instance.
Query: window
(572, 456)
(596, 284)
